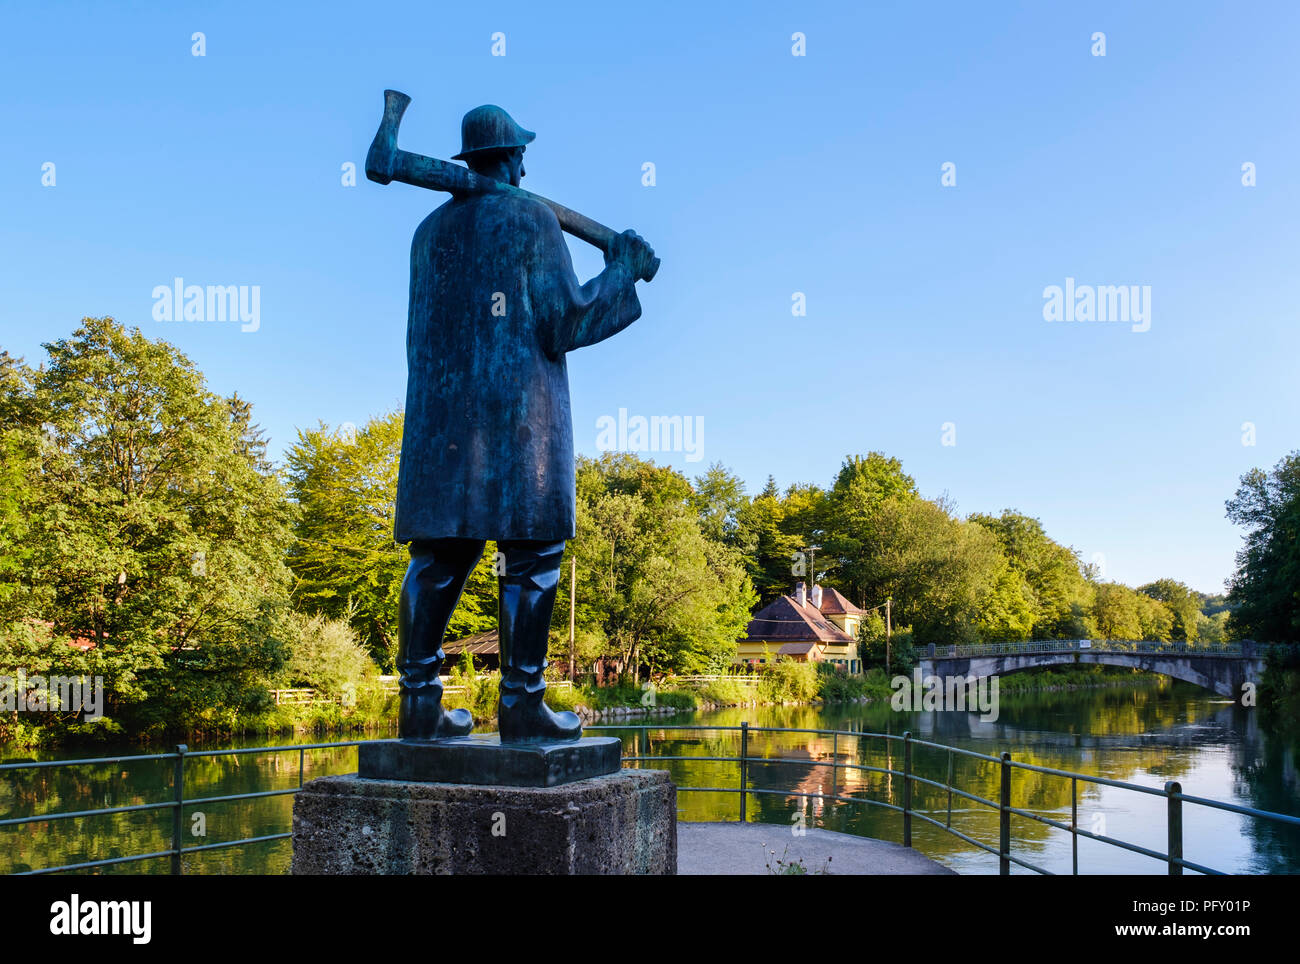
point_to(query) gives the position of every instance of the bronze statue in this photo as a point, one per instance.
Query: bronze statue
(487, 450)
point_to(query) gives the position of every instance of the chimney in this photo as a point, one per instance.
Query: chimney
(817, 597)
(800, 594)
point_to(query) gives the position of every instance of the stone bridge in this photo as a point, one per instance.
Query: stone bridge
(1222, 668)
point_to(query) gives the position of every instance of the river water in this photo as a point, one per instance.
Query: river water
(1142, 734)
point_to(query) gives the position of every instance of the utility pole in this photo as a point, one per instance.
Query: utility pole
(889, 633)
(573, 601)
(812, 567)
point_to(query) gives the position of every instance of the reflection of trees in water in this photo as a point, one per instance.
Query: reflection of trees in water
(62, 789)
(1105, 737)
(1267, 766)
(1133, 734)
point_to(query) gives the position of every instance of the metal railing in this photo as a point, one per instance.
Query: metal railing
(1172, 793)
(176, 804)
(1236, 650)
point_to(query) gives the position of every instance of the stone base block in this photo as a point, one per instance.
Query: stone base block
(624, 823)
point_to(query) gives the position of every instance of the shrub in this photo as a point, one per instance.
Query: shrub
(727, 692)
(787, 680)
(325, 655)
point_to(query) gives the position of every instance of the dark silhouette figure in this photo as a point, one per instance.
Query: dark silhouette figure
(487, 450)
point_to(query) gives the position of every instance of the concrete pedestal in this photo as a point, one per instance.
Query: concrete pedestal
(623, 823)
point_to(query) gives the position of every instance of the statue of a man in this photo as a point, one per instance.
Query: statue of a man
(487, 450)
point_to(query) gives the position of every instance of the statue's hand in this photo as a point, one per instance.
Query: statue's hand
(631, 250)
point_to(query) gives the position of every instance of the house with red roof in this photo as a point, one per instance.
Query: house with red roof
(816, 627)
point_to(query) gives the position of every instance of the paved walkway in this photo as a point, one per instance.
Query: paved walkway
(747, 848)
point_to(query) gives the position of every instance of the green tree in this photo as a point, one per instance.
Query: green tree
(1054, 581)
(152, 527)
(769, 549)
(853, 517)
(1117, 612)
(939, 571)
(1155, 618)
(1265, 587)
(343, 555)
(1183, 605)
(877, 649)
(20, 449)
(650, 583)
(718, 496)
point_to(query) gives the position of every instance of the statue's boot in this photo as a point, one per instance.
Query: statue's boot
(420, 716)
(527, 596)
(430, 590)
(524, 717)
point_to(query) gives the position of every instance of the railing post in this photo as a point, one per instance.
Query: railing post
(744, 766)
(950, 774)
(835, 759)
(907, 788)
(1004, 819)
(178, 812)
(1074, 824)
(1172, 791)
(302, 762)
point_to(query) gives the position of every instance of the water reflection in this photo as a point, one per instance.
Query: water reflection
(110, 784)
(1144, 735)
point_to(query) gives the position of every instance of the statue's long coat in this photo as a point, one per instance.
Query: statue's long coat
(487, 449)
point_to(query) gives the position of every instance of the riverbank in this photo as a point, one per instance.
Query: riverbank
(374, 711)
(871, 687)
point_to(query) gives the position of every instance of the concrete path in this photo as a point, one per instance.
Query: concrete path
(747, 848)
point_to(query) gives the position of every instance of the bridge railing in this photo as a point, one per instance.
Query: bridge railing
(1037, 646)
(644, 745)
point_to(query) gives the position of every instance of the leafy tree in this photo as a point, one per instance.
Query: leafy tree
(1265, 588)
(1183, 605)
(876, 647)
(650, 583)
(1117, 612)
(719, 498)
(343, 555)
(1213, 629)
(769, 548)
(852, 517)
(1156, 619)
(940, 572)
(1054, 582)
(152, 527)
(806, 519)
(20, 447)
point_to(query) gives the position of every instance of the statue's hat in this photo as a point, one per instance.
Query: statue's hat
(489, 128)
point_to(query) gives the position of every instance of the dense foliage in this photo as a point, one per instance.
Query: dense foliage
(140, 518)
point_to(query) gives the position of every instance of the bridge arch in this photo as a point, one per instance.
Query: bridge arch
(1223, 674)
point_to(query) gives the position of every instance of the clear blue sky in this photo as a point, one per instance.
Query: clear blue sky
(775, 174)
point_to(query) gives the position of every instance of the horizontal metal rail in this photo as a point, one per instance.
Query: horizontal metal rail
(1172, 793)
(1235, 650)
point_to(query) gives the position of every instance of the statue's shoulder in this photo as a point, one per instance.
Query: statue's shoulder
(431, 223)
(518, 207)
(524, 215)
